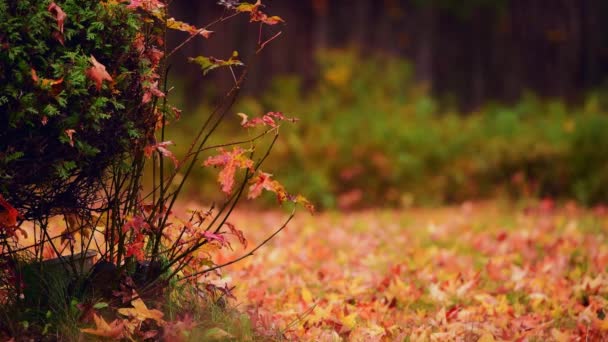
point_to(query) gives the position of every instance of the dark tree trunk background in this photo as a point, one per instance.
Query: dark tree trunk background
(556, 48)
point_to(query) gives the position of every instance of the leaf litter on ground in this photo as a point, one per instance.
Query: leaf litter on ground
(476, 272)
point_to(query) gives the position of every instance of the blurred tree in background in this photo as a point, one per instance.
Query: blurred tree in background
(470, 51)
(424, 101)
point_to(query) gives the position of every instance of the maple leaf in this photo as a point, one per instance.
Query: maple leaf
(215, 237)
(97, 73)
(230, 161)
(162, 149)
(185, 27)
(238, 233)
(255, 14)
(141, 312)
(113, 330)
(270, 119)
(151, 90)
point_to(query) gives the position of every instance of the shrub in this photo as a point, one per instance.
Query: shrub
(86, 115)
(63, 126)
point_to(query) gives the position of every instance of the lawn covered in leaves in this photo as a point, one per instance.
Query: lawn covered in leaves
(476, 272)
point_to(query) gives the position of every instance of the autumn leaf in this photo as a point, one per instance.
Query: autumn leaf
(185, 27)
(230, 161)
(209, 63)
(8, 219)
(238, 233)
(263, 181)
(114, 330)
(60, 16)
(97, 73)
(147, 5)
(269, 119)
(255, 14)
(215, 237)
(141, 312)
(162, 149)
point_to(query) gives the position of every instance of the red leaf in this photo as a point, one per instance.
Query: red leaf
(59, 15)
(269, 119)
(148, 5)
(97, 73)
(215, 237)
(255, 14)
(230, 161)
(238, 233)
(8, 214)
(162, 149)
(263, 182)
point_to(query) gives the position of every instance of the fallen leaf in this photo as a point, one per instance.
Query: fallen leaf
(113, 330)
(141, 312)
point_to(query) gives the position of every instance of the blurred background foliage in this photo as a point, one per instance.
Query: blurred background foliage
(459, 102)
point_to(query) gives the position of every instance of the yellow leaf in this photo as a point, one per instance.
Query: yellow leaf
(560, 336)
(350, 321)
(141, 312)
(306, 295)
(486, 337)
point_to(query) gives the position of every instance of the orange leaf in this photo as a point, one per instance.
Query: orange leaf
(70, 134)
(113, 330)
(97, 73)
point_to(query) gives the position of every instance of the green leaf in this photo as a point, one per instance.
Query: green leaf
(217, 334)
(209, 63)
(100, 305)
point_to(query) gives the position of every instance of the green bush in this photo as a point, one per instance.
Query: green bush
(60, 129)
(370, 136)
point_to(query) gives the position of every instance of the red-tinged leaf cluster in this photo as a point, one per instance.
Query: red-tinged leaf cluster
(60, 16)
(256, 14)
(185, 27)
(147, 5)
(161, 147)
(270, 119)
(230, 162)
(131, 325)
(97, 73)
(8, 219)
(478, 273)
(45, 83)
(263, 181)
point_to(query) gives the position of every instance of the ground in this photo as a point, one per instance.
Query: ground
(474, 272)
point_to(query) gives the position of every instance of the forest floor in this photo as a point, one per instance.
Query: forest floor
(475, 272)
